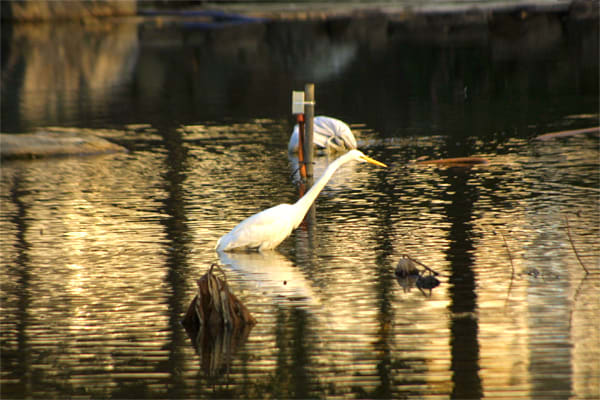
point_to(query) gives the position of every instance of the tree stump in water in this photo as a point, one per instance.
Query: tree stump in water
(215, 306)
(217, 322)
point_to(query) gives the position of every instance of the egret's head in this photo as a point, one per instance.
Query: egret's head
(360, 156)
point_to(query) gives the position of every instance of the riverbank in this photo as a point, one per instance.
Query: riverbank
(430, 20)
(466, 11)
(233, 42)
(402, 10)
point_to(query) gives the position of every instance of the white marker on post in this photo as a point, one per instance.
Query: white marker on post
(297, 102)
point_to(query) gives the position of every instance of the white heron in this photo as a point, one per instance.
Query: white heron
(267, 229)
(329, 134)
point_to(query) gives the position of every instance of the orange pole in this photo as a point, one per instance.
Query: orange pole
(300, 119)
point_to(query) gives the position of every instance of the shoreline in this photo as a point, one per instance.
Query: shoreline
(466, 11)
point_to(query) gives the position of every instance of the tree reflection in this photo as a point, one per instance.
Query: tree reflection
(284, 284)
(22, 367)
(178, 242)
(464, 326)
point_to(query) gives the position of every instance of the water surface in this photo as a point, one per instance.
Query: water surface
(101, 254)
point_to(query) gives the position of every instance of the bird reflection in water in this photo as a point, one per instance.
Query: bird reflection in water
(272, 274)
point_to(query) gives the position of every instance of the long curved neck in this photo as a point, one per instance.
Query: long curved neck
(303, 204)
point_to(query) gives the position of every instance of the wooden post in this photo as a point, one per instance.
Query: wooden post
(309, 113)
(309, 117)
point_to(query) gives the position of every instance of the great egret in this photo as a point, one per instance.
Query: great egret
(329, 134)
(267, 229)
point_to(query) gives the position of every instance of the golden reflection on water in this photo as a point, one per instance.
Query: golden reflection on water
(102, 255)
(66, 60)
(86, 257)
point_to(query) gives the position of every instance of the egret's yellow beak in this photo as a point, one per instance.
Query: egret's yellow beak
(372, 161)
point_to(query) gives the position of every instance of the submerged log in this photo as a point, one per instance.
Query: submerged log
(47, 143)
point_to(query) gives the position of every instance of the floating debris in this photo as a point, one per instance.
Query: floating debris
(409, 275)
(532, 271)
(407, 263)
(427, 282)
(140, 127)
(406, 267)
(573, 132)
(574, 248)
(466, 162)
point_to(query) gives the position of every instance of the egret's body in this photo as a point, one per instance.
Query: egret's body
(267, 229)
(329, 134)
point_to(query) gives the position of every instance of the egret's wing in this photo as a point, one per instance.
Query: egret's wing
(321, 132)
(328, 132)
(342, 134)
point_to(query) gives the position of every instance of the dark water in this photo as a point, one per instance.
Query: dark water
(100, 254)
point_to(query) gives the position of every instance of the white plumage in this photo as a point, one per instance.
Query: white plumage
(267, 229)
(329, 134)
